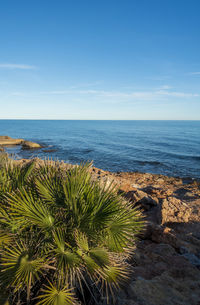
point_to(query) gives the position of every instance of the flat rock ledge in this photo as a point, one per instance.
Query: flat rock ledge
(8, 141)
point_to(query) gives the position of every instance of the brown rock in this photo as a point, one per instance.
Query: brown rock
(174, 210)
(5, 140)
(165, 235)
(141, 198)
(5, 137)
(165, 290)
(30, 145)
(135, 195)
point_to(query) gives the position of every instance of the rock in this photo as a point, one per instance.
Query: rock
(2, 149)
(163, 249)
(164, 235)
(174, 210)
(5, 140)
(192, 258)
(185, 194)
(30, 145)
(135, 195)
(166, 290)
(141, 198)
(5, 137)
(159, 192)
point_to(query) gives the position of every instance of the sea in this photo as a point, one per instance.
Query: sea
(169, 148)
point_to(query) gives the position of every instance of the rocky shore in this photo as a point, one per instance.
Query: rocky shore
(8, 141)
(166, 261)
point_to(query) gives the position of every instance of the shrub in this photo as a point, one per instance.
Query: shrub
(64, 238)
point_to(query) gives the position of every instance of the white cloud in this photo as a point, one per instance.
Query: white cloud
(165, 87)
(56, 92)
(177, 94)
(17, 66)
(149, 95)
(140, 94)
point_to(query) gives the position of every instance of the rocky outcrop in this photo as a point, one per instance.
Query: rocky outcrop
(30, 145)
(6, 141)
(166, 262)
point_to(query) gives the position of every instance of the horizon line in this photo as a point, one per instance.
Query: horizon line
(16, 119)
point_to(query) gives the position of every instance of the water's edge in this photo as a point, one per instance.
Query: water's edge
(170, 148)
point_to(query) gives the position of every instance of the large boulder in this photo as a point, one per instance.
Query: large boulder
(30, 145)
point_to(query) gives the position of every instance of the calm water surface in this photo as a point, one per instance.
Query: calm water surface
(161, 147)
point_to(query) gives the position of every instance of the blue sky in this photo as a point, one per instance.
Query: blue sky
(100, 59)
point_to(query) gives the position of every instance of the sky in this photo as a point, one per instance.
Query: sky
(100, 60)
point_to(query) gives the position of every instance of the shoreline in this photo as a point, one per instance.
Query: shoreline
(126, 181)
(185, 180)
(167, 255)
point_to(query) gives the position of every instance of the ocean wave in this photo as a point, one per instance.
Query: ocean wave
(181, 156)
(87, 151)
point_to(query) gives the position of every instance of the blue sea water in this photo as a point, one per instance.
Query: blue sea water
(163, 147)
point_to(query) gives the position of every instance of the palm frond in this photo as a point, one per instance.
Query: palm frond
(23, 206)
(52, 295)
(65, 256)
(5, 238)
(19, 267)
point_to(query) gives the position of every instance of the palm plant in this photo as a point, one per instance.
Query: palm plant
(64, 239)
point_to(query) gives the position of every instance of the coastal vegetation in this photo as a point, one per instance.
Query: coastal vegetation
(64, 237)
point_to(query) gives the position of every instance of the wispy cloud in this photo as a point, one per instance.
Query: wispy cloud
(157, 94)
(83, 85)
(139, 94)
(16, 66)
(194, 73)
(177, 94)
(165, 87)
(55, 92)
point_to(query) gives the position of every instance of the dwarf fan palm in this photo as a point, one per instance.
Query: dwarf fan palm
(63, 236)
